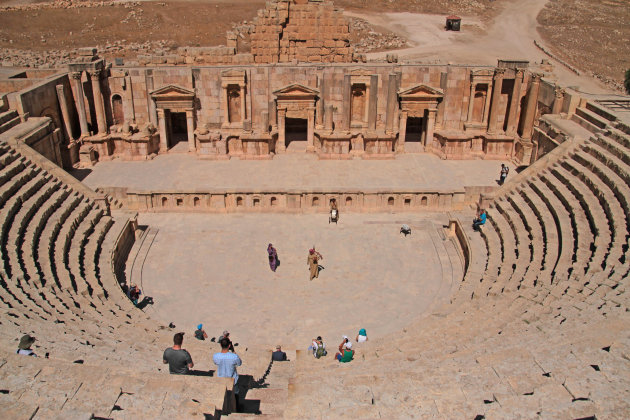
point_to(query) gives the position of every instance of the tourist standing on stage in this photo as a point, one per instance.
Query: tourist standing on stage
(273, 257)
(504, 173)
(313, 262)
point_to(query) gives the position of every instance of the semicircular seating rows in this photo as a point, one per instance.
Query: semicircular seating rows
(58, 283)
(538, 328)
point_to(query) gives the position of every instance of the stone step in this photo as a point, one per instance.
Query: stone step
(592, 210)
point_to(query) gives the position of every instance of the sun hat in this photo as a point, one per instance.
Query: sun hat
(226, 333)
(345, 337)
(362, 332)
(348, 345)
(25, 342)
(200, 326)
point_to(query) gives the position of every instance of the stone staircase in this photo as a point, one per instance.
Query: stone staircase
(38, 388)
(8, 120)
(538, 327)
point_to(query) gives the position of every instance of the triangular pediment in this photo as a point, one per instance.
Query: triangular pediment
(296, 89)
(421, 91)
(172, 91)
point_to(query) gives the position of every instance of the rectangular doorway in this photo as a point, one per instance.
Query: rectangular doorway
(413, 136)
(295, 134)
(178, 131)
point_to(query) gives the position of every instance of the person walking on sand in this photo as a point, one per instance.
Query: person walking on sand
(313, 262)
(273, 257)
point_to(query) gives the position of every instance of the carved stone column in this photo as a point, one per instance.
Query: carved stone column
(80, 102)
(486, 105)
(558, 100)
(392, 102)
(431, 114)
(471, 101)
(310, 130)
(190, 127)
(328, 118)
(281, 144)
(243, 114)
(530, 110)
(347, 102)
(65, 113)
(402, 132)
(99, 106)
(496, 97)
(162, 125)
(514, 103)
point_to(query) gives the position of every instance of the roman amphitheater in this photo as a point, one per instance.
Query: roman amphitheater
(174, 169)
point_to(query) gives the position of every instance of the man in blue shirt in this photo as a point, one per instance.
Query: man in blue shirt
(480, 221)
(226, 365)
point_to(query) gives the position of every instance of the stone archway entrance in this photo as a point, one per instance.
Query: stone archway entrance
(176, 117)
(296, 118)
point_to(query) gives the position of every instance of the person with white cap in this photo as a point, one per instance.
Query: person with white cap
(24, 348)
(346, 353)
(344, 344)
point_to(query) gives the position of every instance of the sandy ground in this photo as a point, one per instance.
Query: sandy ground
(510, 35)
(213, 269)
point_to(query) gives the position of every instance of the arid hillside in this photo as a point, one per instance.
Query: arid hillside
(592, 35)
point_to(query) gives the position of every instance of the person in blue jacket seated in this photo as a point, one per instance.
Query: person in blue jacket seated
(480, 220)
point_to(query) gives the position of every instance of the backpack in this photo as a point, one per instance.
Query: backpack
(321, 351)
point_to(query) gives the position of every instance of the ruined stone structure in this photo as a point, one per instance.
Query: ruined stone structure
(537, 325)
(336, 111)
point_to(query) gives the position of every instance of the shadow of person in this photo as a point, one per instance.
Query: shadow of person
(148, 300)
(196, 372)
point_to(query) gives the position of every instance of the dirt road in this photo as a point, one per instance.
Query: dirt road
(510, 35)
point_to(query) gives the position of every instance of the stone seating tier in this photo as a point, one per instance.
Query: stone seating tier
(537, 328)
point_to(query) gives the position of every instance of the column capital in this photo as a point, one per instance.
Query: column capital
(498, 73)
(520, 73)
(76, 75)
(160, 112)
(96, 73)
(558, 92)
(536, 77)
(432, 112)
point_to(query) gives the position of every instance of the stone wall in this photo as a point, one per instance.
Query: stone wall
(294, 201)
(285, 31)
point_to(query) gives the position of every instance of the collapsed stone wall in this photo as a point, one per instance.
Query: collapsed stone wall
(285, 31)
(306, 31)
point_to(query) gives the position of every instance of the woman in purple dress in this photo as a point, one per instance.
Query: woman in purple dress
(273, 257)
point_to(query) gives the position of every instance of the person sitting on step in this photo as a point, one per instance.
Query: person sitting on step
(346, 353)
(179, 360)
(318, 347)
(362, 336)
(278, 355)
(480, 220)
(24, 348)
(200, 334)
